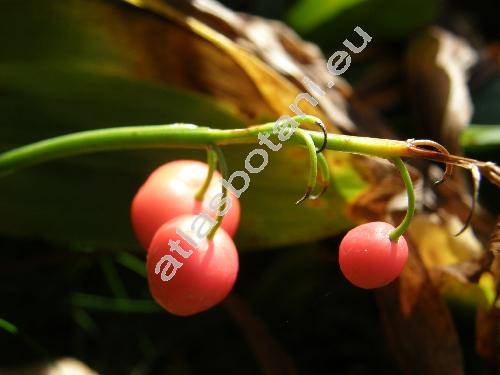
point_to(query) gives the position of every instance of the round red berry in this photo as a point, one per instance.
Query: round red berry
(368, 258)
(186, 279)
(170, 192)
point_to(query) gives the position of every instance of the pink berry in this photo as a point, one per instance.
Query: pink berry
(369, 259)
(184, 279)
(170, 192)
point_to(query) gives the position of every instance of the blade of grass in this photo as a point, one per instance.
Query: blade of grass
(85, 321)
(9, 327)
(112, 277)
(119, 305)
(132, 263)
(25, 338)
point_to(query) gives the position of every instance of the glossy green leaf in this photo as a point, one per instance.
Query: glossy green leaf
(68, 71)
(478, 138)
(330, 22)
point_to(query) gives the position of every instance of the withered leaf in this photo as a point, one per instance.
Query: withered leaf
(437, 63)
(418, 325)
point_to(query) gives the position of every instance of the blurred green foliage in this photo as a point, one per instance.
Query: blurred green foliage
(330, 21)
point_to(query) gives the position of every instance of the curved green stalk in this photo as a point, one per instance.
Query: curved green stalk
(313, 163)
(212, 165)
(183, 136)
(396, 233)
(325, 175)
(222, 207)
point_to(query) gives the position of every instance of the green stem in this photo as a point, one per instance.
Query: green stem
(212, 165)
(325, 175)
(396, 233)
(222, 207)
(313, 163)
(324, 168)
(182, 136)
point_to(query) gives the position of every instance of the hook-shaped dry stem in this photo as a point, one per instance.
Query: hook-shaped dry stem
(476, 180)
(439, 147)
(325, 135)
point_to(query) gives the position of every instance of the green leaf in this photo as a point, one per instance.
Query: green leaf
(477, 138)
(306, 15)
(62, 70)
(331, 21)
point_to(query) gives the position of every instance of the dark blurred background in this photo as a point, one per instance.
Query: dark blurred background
(291, 310)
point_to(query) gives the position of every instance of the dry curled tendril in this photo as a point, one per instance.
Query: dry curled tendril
(477, 168)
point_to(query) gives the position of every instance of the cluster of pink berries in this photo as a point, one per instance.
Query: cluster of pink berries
(200, 277)
(166, 206)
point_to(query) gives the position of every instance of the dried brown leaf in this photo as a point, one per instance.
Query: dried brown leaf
(418, 325)
(265, 60)
(437, 63)
(271, 355)
(488, 321)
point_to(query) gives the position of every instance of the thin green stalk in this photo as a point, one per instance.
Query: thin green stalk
(222, 207)
(313, 163)
(182, 136)
(132, 263)
(212, 165)
(324, 168)
(396, 233)
(325, 175)
(112, 277)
